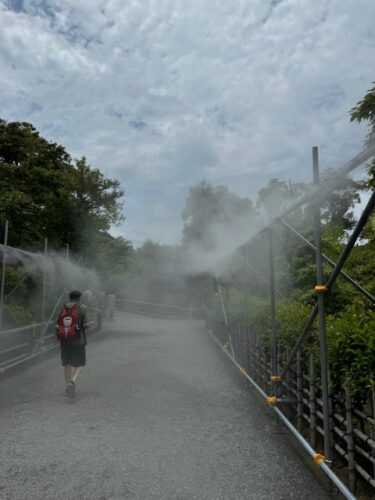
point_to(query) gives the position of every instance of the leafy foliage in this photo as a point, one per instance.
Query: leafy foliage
(351, 337)
(365, 111)
(209, 208)
(45, 194)
(350, 318)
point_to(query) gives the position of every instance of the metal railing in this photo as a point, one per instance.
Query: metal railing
(23, 343)
(261, 382)
(19, 345)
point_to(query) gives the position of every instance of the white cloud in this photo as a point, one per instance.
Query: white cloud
(163, 93)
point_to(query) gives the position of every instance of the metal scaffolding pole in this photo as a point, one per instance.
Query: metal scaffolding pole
(274, 376)
(330, 261)
(227, 330)
(247, 333)
(323, 191)
(66, 273)
(44, 279)
(320, 288)
(3, 273)
(331, 280)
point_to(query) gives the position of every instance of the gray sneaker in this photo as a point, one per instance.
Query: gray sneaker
(70, 390)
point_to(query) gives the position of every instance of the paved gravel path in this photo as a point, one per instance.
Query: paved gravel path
(160, 414)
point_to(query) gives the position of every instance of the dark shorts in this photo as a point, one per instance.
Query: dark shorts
(73, 354)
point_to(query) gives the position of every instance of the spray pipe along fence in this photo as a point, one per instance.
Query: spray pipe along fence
(337, 430)
(24, 343)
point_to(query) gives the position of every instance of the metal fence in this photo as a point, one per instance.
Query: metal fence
(21, 344)
(25, 343)
(335, 427)
(21, 339)
(299, 398)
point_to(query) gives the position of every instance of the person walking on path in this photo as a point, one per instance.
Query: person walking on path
(71, 327)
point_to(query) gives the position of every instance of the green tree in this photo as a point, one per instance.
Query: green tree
(93, 203)
(31, 181)
(361, 262)
(210, 209)
(45, 194)
(109, 256)
(295, 262)
(154, 275)
(364, 110)
(277, 195)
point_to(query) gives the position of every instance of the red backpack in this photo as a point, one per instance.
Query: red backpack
(68, 322)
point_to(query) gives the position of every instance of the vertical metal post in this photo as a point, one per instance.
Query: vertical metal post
(299, 392)
(227, 329)
(372, 406)
(267, 371)
(320, 289)
(312, 401)
(44, 280)
(66, 273)
(288, 388)
(349, 437)
(3, 273)
(331, 280)
(257, 362)
(249, 336)
(274, 368)
(247, 333)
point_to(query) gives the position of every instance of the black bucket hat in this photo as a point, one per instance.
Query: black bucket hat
(75, 294)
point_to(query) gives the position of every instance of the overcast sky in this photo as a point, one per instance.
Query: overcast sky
(161, 94)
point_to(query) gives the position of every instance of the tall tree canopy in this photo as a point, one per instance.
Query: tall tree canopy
(365, 111)
(209, 209)
(45, 194)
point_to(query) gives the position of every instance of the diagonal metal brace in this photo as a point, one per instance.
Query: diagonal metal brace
(331, 280)
(355, 283)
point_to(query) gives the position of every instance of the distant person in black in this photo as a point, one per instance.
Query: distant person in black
(73, 350)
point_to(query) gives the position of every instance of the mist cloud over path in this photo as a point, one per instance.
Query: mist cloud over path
(159, 414)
